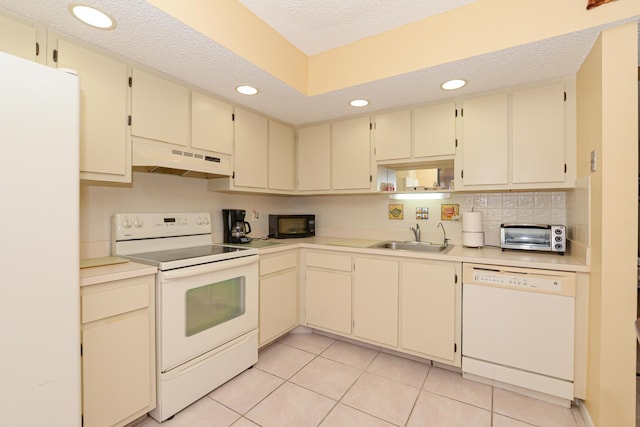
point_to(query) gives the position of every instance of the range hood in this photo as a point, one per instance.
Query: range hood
(159, 157)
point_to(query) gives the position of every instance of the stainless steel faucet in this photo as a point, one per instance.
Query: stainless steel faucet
(446, 241)
(416, 232)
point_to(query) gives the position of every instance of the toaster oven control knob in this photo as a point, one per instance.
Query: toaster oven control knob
(558, 238)
(126, 223)
(558, 246)
(137, 223)
(558, 231)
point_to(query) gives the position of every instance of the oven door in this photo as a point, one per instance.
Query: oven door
(205, 306)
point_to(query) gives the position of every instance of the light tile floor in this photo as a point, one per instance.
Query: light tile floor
(313, 380)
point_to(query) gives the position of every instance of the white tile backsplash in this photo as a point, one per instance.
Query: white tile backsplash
(357, 216)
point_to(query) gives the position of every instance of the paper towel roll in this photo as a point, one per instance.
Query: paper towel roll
(473, 239)
(472, 221)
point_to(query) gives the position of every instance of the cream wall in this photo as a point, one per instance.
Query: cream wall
(447, 37)
(607, 111)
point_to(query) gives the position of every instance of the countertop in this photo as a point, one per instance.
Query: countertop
(459, 253)
(119, 271)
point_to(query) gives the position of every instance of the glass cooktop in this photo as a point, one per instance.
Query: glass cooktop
(187, 253)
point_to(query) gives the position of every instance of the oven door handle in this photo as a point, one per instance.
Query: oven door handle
(209, 268)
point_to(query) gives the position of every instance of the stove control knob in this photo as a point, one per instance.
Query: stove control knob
(205, 220)
(138, 223)
(126, 223)
(199, 221)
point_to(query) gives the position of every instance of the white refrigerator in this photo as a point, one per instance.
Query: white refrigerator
(39, 240)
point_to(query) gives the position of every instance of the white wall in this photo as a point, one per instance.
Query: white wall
(354, 216)
(164, 193)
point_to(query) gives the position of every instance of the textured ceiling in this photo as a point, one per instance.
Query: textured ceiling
(315, 26)
(148, 36)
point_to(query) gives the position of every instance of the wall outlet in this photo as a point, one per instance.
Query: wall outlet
(255, 215)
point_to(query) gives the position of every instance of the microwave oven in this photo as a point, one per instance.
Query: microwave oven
(289, 226)
(534, 237)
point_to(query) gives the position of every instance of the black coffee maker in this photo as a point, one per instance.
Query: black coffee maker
(235, 227)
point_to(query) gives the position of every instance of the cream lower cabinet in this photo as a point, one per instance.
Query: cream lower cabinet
(375, 300)
(278, 306)
(409, 306)
(118, 351)
(430, 295)
(328, 291)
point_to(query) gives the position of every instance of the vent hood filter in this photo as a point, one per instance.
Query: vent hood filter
(158, 157)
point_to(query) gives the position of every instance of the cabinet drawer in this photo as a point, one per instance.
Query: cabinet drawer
(279, 262)
(330, 261)
(114, 301)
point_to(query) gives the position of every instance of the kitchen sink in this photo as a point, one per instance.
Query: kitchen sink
(414, 246)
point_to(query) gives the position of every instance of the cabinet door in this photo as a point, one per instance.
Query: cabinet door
(393, 135)
(211, 124)
(17, 38)
(160, 109)
(484, 150)
(250, 156)
(328, 300)
(115, 369)
(538, 134)
(278, 304)
(375, 300)
(314, 158)
(434, 130)
(351, 154)
(281, 156)
(428, 309)
(105, 146)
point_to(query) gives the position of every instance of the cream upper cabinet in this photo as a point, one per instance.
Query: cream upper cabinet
(538, 121)
(211, 124)
(105, 143)
(160, 109)
(281, 156)
(375, 300)
(393, 135)
(278, 309)
(17, 38)
(328, 291)
(250, 150)
(430, 310)
(351, 154)
(485, 142)
(434, 131)
(314, 158)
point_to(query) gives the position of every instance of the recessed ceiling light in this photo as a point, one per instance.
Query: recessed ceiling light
(359, 103)
(247, 90)
(92, 16)
(453, 84)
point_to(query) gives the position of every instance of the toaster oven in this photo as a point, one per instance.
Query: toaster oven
(534, 237)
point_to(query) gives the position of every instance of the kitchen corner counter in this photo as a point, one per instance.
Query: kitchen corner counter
(107, 273)
(459, 253)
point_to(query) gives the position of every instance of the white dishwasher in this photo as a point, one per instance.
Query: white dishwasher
(518, 328)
